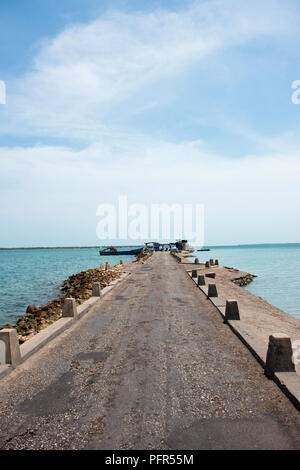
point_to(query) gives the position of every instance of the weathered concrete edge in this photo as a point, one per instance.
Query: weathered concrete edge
(288, 382)
(255, 345)
(42, 338)
(5, 370)
(32, 346)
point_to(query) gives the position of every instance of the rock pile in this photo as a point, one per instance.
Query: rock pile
(245, 280)
(143, 256)
(78, 286)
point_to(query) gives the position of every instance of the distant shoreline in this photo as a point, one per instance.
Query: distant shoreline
(64, 247)
(132, 246)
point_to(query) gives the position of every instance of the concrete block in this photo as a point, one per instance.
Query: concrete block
(96, 292)
(211, 262)
(211, 275)
(121, 261)
(232, 310)
(201, 281)
(212, 290)
(216, 262)
(70, 308)
(207, 265)
(102, 266)
(279, 355)
(12, 354)
(107, 266)
(194, 273)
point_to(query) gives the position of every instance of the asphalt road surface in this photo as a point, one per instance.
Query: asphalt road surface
(151, 367)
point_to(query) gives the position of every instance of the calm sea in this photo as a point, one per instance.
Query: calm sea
(34, 276)
(277, 268)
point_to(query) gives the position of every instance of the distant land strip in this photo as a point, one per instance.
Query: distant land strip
(65, 247)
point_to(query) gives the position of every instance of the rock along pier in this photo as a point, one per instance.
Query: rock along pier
(152, 365)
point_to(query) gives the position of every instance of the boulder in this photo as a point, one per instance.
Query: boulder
(31, 309)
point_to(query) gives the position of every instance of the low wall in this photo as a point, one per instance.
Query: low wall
(256, 325)
(39, 340)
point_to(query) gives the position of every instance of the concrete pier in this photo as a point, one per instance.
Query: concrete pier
(151, 366)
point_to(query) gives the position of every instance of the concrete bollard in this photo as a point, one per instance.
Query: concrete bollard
(201, 281)
(70, 308)
(9, 336)
(279, 355)
(216, 262)
(231, 311)
(212, 290)
(96, 292)
(196, 261)
(194, 273)
(211, 262)
(102, 266)
(207, 265)
(107, 266)
(211, 275)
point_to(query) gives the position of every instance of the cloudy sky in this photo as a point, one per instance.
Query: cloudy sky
(163, 101)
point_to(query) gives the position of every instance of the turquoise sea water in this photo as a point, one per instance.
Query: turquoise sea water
(33, 277)
(277, 268)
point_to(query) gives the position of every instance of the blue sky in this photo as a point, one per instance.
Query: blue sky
(172, 102)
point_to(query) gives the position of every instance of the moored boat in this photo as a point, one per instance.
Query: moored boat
(112, 251)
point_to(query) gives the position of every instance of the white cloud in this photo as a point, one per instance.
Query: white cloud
(251, 199)
(79, 74)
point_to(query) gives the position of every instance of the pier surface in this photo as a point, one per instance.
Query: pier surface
(152, 366)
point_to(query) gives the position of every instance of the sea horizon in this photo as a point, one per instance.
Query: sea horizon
(74, 247)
